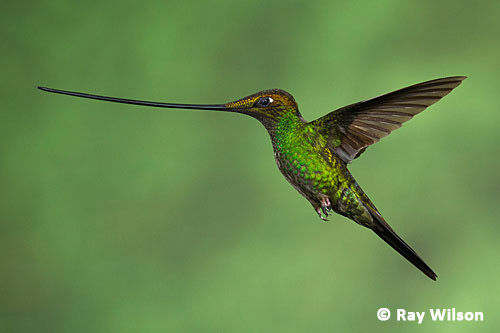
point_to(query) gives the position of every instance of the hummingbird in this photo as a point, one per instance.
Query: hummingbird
(313, 156)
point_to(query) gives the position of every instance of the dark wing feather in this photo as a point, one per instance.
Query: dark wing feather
(354, 127)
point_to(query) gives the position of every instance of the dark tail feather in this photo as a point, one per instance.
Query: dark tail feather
(384, 231)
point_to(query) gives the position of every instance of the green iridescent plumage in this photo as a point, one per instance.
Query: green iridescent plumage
(313, 156)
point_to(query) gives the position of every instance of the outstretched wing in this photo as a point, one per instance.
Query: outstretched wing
(354, 127)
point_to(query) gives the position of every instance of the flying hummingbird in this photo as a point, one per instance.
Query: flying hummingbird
(313, 156)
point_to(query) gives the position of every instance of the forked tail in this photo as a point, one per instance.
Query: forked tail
(384, 231)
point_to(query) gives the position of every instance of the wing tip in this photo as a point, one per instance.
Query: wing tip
(450, 81)
(458, 79)
(455, 77)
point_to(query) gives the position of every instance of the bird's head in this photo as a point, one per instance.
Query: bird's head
(265, 105)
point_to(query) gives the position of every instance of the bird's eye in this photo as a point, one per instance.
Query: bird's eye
(265, 101)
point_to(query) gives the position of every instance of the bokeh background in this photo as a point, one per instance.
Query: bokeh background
(118, 218)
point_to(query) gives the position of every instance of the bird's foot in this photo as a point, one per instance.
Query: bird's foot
(321, 215)
(325, 209)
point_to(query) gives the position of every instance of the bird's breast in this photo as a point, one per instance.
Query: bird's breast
(310, 169)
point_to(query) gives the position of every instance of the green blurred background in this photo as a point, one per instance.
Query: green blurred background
(119, 218)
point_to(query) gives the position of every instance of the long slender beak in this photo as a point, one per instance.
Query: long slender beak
(219, 107)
